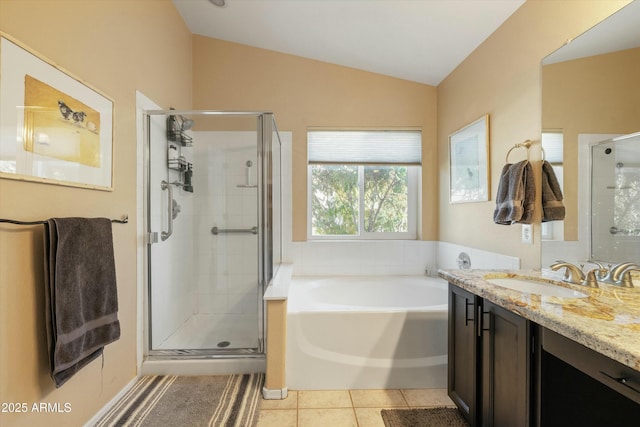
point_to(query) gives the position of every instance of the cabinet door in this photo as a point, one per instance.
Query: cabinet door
(506, 384)
(463, 351)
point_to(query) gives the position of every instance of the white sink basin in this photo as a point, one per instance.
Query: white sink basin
(535, 287)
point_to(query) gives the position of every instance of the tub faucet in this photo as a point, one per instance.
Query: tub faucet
(572, 273)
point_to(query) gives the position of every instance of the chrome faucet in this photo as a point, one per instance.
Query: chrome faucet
(572, 273)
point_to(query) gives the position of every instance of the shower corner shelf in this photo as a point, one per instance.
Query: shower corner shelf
(176, 141)
(180, 137)
(179, 165)
(186, 171)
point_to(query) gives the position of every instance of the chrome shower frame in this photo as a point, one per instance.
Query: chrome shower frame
(265, 128)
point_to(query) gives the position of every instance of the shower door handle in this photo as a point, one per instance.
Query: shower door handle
(166, 234)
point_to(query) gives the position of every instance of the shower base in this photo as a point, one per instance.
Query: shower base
(210, 331)
(199, 347)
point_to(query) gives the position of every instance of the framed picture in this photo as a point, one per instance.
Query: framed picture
(54, 128)
(468, 163)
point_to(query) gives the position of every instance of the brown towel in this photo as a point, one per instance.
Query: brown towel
(82, 301)
(552, 206)
(515, 201)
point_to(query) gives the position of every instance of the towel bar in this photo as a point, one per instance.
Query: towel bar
(123, 220)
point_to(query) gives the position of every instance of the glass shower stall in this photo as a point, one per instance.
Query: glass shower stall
(213, 230)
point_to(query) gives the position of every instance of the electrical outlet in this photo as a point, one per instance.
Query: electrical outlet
(527, 234)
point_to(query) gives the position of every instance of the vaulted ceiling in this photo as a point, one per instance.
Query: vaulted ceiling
(417, 40)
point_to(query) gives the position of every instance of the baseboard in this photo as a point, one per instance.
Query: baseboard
(274, 394)
(112, 402)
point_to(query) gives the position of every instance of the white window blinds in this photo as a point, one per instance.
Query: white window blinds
(365, 147)
(552, 144)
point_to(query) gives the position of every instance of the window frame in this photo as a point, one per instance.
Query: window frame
(553, 139)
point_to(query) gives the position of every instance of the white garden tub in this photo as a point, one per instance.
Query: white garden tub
(366, 333)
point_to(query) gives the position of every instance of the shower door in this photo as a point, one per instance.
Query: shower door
(208, 230)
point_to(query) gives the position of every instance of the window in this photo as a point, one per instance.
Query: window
(552, 144)
(363, 184)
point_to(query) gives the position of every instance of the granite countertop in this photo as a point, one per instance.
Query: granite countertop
(607, 320)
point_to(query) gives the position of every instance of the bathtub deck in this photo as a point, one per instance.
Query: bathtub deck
(345, 407)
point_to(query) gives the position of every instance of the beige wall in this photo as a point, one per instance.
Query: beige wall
(120, 46)
(275, 375)
(117, 47)
(304, 93)
(502, 78)
(598, 94)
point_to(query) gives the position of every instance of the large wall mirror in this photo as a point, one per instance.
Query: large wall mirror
(590, 113)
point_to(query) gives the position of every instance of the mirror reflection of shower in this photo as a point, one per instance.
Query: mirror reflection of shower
(615, 210)
(248, 184)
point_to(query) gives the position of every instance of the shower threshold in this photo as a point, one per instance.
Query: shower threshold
(196, 363)
(213, 353)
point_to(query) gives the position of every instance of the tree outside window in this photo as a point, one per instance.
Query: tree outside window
(339, 210)
(363, 184)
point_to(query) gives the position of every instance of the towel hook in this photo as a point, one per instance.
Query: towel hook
(526, 144)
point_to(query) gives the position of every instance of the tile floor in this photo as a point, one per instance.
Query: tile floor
(344, 408)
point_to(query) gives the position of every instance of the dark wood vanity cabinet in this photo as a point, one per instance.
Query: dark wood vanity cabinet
(506, 364)
(489, 361)
(505, 370)
(463, 352)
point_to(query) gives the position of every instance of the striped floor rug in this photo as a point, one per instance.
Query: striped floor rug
(423, 417)
(199, 401)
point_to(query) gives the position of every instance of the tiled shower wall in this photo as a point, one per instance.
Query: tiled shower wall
(226, 265)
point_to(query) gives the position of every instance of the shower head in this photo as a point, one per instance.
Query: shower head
(186, 123)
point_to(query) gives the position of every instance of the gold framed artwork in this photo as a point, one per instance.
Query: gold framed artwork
(469, 163)
(54, 128)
